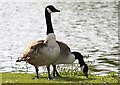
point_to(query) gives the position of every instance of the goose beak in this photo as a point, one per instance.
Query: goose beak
(84, 68)
(55, 10)
(58, 11)
(86, 74)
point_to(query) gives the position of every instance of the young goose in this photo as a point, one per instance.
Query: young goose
(40, 53)
(77, 56)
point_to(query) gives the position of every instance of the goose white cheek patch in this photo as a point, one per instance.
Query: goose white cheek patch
(49, 11)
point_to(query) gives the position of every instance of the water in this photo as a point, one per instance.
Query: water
(88, 27)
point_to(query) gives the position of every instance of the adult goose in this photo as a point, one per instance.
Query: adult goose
(40, 53)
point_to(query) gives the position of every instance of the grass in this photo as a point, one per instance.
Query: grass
(67, 78)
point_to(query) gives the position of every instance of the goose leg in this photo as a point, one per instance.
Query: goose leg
(36, 68)
(55, 71)
(48, 69)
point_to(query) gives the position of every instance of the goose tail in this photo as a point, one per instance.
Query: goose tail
(22, 59)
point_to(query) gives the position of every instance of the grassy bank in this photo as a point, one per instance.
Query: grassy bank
(67, 77)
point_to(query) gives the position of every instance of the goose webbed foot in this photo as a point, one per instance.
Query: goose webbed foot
(35, 78)
(50, 78)
(59, 75)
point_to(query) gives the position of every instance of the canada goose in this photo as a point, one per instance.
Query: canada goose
(50, 52)
(80, 59)
(40, 53)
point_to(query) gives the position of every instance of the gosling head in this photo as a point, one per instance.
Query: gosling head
(83, 66)
(51, 9)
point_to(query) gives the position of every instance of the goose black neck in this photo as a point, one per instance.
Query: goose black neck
(81, 62)
(48, 22)
(79, 57)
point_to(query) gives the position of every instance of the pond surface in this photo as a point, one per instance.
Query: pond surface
(90, 28)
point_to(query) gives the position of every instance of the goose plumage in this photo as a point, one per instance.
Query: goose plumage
(32, 53)
(49, 51)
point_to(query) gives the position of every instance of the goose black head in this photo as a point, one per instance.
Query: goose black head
(51, 9)
(83, 66)
(85, 70)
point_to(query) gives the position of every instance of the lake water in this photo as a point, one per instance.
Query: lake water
(90, 28)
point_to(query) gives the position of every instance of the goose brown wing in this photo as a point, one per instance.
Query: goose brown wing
(64, 49)
(32, 49)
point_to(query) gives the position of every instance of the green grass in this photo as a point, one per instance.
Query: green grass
(67, 78)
